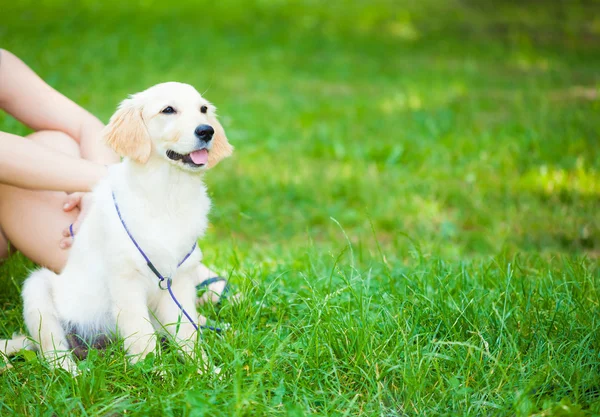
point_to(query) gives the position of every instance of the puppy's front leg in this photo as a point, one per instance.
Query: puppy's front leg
(173, 320)
(132, 318)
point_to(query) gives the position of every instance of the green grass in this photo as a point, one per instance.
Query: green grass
(411, 211)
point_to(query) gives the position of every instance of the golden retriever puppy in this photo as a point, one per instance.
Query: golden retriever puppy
(136, 252)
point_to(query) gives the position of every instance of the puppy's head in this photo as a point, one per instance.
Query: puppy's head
(171, 121)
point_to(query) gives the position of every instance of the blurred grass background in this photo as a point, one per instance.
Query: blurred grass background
(439, 138)
(469, 126)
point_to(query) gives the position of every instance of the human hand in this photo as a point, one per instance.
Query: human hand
(83, 201)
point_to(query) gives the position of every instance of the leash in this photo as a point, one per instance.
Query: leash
(160, 277)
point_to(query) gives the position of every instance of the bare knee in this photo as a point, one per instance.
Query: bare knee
(33, 221)
(56, 262)
(57, 140)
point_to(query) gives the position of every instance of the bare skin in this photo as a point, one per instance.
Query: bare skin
(45, 177)
(65, 154)
(32, 220)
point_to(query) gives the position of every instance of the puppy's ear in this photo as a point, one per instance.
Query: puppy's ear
(126, 133)
(220, 148)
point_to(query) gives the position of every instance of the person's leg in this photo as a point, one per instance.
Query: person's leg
(33, 221)
(3, 246)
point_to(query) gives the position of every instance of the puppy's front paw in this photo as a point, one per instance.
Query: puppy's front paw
(56, 361)
(207, 370)
(140, 348)
(70, 366)
(205, 367)
(135, 358)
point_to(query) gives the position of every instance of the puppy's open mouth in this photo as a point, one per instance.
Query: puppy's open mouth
(195, 159)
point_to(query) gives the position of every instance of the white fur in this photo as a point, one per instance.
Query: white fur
(106, 286)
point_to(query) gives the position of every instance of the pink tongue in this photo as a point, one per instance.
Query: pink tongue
(200, 157)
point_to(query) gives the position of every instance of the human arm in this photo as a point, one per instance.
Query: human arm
(25, 164)
(25, 96)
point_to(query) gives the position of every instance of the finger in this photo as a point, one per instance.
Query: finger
(69, 231)
(72, 201)
(66, 243)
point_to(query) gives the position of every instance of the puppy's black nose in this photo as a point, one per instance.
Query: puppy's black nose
(204, 132)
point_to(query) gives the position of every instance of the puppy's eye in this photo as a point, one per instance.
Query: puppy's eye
(203, 109)
(168, 110)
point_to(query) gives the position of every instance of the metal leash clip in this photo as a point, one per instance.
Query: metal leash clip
(160, 283)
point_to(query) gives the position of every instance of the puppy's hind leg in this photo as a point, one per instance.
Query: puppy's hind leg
(42, 321)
